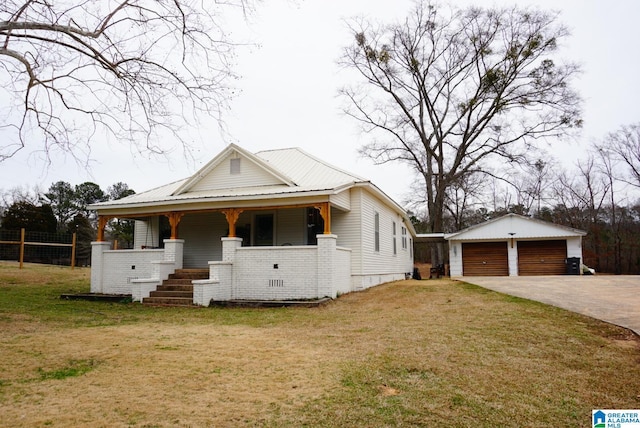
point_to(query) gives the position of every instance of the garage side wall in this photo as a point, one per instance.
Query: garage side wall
(574, 247)
(455, 258)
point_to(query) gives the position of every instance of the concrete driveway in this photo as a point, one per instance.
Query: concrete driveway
(615, 299)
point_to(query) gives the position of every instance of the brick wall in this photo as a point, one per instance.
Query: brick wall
(342, 269)
(275, 273)
(120, 266)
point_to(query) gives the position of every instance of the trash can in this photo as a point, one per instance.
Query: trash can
(573, 265)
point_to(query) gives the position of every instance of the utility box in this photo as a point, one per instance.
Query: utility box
(573, 265)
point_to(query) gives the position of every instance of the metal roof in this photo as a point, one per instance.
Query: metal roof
(514, 226)
(307, 174)
(306, 170)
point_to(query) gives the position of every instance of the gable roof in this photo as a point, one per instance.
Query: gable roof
(270, 174)
(205, 178)
(514, 226)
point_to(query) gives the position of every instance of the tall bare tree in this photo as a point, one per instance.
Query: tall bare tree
(624, 144)
(462, 197)
(533, 182)
(451, 90)
(584, 193)
(133, 69)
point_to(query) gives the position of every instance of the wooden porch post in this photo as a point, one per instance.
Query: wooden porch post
(174, 221)
(232, 215)
(325, 213)
(102, 223)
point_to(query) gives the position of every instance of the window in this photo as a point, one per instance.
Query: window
(404, 238)
(376, 228)
(395, 249)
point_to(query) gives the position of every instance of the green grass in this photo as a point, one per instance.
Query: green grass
(72, 368)
(35, 292)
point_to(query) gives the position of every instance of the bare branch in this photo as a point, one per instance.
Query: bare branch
(129, 70)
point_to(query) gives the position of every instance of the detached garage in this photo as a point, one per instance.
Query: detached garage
(513, 245)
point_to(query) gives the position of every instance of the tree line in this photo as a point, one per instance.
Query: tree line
(63, 210)
(598, 194)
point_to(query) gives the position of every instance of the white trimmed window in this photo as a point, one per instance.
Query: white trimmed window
(376, 235)
(404, 238)
(395, 248)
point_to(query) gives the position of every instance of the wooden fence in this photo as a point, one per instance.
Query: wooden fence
(22, 243)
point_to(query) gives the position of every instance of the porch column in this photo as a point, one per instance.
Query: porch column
(174, 221)
(102, 224)
(97, 265)
(229, 247)
(232, 215)
(327, 265)
(173, 252)
(325, 213)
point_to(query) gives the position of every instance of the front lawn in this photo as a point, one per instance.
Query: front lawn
(410, 353)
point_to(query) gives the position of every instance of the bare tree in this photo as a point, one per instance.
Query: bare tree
(625, 146)
(18, 194)
(462, 197)
(584, 193)
(130, 69)
(608, 168)
(532, 183)
(451, 90)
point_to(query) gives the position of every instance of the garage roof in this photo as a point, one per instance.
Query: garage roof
(514, 226)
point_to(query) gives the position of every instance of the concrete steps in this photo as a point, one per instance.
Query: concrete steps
(177, 290)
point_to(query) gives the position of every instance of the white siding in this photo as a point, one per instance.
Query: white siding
(146, 233)
(342, 200)
(355, 230)
(382, 261)
(201, 233)
(379, 266)
(347, 226)
(455, 258)
(251, 175)
(291, 226)
(574, 247)
(512, 256)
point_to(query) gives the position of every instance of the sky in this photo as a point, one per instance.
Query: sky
(290, 79)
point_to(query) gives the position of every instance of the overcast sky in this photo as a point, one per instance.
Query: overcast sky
(289, 86)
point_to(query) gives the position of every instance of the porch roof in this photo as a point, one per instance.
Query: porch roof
(283, 177)
(163, 196)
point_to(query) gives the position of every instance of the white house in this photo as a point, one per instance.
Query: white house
(514, 245)
(274, 225)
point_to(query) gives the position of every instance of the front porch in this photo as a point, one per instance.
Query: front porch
(244, 273)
